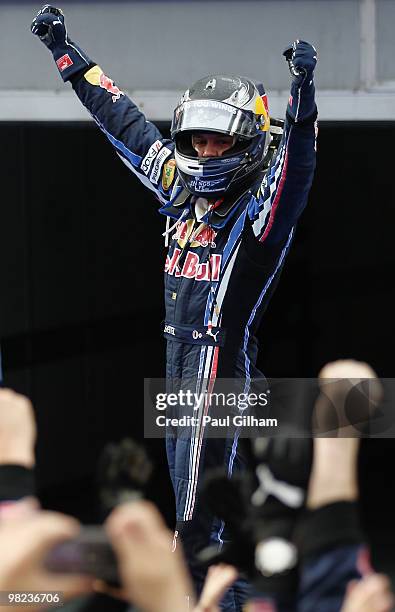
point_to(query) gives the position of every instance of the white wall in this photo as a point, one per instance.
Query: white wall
(154, 49)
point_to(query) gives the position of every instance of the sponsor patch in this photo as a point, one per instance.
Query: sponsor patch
(214, 104)
(193, 268)
(202, 236)
(169, 329)
(160, 160)
(152, 153)
(201, 185)
(95, 76)
(107, 84)
(64, 62)
(168, 173)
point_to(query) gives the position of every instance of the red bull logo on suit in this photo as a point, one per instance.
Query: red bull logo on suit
(107, 84)
(96, 76)
(192, 268)
(201, 237)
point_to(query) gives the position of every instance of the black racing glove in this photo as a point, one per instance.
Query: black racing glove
(260, 513)
(302, 58)
(283, 468)
(49, 26)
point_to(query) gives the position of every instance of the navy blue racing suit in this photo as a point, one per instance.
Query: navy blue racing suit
(220, 273)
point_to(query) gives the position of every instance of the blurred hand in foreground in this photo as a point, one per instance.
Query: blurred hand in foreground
(154, 578)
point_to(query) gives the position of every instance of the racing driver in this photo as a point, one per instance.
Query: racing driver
(232, 188)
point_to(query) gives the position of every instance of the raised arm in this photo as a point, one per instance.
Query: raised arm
(285, 188)
(138, 142)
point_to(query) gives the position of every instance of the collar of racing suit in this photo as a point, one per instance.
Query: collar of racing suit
(217, 216)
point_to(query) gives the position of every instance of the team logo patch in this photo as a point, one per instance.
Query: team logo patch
(64, 62)
(202, 236)
(168, 174)
(152, 153)
(96, 76)
(107, 84)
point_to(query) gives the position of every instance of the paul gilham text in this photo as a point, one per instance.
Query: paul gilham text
(237, 421)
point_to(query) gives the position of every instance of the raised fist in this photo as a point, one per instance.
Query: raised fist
(49, 26)
(302, 58)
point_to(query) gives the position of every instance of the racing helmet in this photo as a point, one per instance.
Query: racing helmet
(231, 105)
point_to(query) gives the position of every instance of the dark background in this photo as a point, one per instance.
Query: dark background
(81, 260)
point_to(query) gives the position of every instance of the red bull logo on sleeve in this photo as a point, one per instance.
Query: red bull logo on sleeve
(107, 84)
(96, 76)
